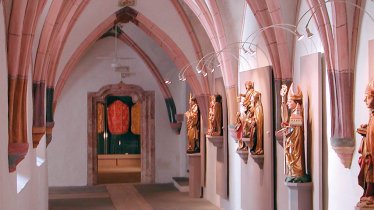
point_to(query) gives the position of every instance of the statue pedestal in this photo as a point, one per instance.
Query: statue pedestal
(216, 140)
(259, 159)
(300, 196)
(194, 166)
(363, 208)
(243, 155)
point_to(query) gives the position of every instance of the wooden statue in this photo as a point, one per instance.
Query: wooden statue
(284, 109)
(215, 116)
(293, 132)
(249, 88)
(252, 120)
(366, 175)
(193, 127)
(239, 133)
(258, 123)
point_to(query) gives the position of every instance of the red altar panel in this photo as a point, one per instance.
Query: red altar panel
(118, 118)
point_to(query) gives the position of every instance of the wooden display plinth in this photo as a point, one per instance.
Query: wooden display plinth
(194, 161)
(216, 140)
(300, 196)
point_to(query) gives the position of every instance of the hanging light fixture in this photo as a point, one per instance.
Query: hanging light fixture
(298, 35)
(309, 33)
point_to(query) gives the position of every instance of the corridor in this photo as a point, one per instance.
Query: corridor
(124, 197)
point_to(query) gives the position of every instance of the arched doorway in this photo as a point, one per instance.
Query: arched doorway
(146, 99)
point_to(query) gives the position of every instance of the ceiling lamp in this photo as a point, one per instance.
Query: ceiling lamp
(298, 35)
(309, 33)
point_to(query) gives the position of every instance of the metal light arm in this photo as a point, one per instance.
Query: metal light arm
(287, 29)
(331, 1)
(281, 26)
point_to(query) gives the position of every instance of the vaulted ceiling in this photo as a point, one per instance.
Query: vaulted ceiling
(47, 38)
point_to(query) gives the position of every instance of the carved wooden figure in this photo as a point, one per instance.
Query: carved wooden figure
(215, 116)
(193, 127)
(258, 122)
(252, 120)
(239, 132)
(293, 132)
(366, 175)
(243, 117)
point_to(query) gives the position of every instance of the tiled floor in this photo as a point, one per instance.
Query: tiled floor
(126, 197)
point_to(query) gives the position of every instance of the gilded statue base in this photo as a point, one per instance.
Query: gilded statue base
(243, 154)
(300, 196)
(216, 140)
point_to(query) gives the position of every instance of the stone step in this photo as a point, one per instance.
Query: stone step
(181, 183)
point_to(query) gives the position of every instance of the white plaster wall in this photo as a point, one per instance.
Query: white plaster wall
(341, 190)
(39, 27)
(178, 90)
(235, 177)
(364, 74)
(7, 181)
(211, 159)
(68, 150)
(216, 164)
(235, 163)
(341, 179)
(306, 46)
(309, 78)
(34, 195)
(249, 34)
(97, 11)
(232, 14)
(35, 192)
(258, 183)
